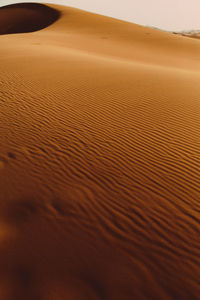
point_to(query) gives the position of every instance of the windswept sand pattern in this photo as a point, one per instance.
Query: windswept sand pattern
(99, 162)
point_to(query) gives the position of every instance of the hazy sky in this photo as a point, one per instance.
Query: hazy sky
(164, 14)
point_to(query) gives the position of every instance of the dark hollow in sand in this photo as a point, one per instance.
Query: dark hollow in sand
(26, 17)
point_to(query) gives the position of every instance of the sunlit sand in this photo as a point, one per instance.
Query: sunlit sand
(99, 158)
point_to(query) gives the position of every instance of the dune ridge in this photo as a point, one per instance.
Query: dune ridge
(99, 161)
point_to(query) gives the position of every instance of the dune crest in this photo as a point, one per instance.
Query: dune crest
(26, 17)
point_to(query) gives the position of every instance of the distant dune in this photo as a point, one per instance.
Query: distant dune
(190, 33)
(99, 158)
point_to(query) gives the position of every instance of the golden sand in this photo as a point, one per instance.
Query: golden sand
(99, 158)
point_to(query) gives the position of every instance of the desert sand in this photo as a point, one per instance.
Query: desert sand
(99, 158)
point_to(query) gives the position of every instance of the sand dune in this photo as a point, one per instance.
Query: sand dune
(191, 34)
(194, 36)
(99, 158)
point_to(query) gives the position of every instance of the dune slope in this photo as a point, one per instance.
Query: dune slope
(99, 160)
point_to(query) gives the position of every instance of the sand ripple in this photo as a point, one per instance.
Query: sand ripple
(99, 168)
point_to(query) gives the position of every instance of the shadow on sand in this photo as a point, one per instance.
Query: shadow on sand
(26, 17)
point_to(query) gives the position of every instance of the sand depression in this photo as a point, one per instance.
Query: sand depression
(99, 158)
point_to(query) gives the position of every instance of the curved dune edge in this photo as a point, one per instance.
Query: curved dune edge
(26, 17)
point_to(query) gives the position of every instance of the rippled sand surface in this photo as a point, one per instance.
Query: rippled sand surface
(99, 159)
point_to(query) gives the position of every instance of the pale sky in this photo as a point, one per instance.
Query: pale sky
(164, 14)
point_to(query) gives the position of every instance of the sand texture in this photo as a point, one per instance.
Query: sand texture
(99, 158)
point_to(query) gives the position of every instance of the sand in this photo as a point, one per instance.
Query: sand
(99, 158)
